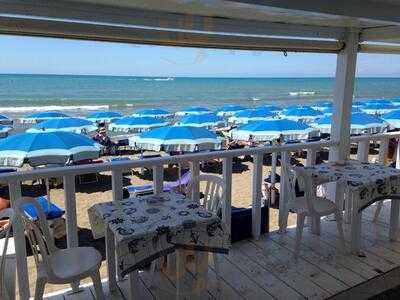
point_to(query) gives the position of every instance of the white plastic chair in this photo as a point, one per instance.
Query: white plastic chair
(57, 266)
(308, 205)
(213, 193)
(7, 282)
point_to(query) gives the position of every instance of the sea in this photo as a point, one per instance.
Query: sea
(23, 94)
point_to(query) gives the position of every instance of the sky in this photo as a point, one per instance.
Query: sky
(34, 55)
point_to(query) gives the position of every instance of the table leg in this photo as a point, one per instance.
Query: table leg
(355, 228)
(201, 272)
(110, 253)
(180, 272)
(394, 219)
(133, 278)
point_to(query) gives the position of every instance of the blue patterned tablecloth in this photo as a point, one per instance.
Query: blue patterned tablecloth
(149, 227)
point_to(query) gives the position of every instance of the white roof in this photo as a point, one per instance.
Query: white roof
(306, 25)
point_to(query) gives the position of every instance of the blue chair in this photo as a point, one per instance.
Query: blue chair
(51, 210)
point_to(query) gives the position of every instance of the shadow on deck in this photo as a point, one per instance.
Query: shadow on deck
(265, 269)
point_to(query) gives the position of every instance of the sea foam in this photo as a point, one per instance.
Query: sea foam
(53, 108)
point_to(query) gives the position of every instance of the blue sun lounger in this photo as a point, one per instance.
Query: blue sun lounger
(51, 211)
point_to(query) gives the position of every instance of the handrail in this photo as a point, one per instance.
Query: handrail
(121, 165)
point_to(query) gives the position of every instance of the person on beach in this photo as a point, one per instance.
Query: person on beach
(103, 139)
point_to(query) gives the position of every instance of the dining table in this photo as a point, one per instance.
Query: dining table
(141, 229)
(364, 184)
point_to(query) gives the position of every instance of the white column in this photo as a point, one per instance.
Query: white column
(257, 195)
(343, 97)
(227, 205)
(342, 102)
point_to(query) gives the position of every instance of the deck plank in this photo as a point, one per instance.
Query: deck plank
(261, 276)
(260, 253)
(327, 259)
(317, 275)
(108, 296)
(142, 293)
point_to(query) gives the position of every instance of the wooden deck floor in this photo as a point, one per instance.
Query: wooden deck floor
(265, 269)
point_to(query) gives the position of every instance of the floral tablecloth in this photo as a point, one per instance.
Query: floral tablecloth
(365, 181)
(149, 227)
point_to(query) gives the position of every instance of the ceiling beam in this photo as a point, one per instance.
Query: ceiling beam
(384, 11)
(173, 21)
(85, 31)
(381, 34)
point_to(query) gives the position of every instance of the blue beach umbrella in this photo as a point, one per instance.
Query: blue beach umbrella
(153, 112)
(76, 125)
(104, 116)
(193, 110)
(204, 120)
(329, 111)
(4, 120)
(322, 106)
(43, 116)
(377, 101)
(360, 123)
(272, 129)
(377, 107)
(136, 124)
(271, 108)
(246, 116)
(301, 113)
(393, 118)
(177, 138)
(229, 110)
(46, 148)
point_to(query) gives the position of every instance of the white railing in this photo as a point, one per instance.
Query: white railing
(117, 168)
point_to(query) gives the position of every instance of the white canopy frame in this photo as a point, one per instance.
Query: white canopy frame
(344, 27)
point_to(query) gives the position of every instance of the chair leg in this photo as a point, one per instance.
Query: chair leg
(299, 232)
(377, 211)
(217, 273)
(98, 288)
(339, 224)
(39, 290)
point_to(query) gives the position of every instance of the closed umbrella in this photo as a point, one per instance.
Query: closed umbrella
(360, 123)
(204, 120)
(177, 138)
(76, 125)
(273, 129)
(193, 110)
(104, 116)
(153, 112)
(43, 116)
(136, 124)
(46, 148)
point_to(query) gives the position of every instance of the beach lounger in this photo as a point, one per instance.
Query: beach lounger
(138, 190)
(50, 210)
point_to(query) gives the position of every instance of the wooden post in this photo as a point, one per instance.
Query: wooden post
(20, 246)
(227, 204)
(383, 150)
(283, 199)
(71, 221)
(257, 194)
(363, 151)
(158, 178)
(342, 107)
(117, 185)
(311, 157)
(343, 97)
(195, 170)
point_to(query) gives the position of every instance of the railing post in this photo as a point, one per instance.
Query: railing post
(227, 204)
(397, 153)
(20, 246)
(283, 203)
(117, 185)
(363, 151)
(71, 221)
(195, 170)
(274, 159)
(311, 157)
(158, 178)
(257, 194)
(383, 150)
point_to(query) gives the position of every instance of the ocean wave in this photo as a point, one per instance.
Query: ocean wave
(302, 93)
(159, 79)
(53, 107)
